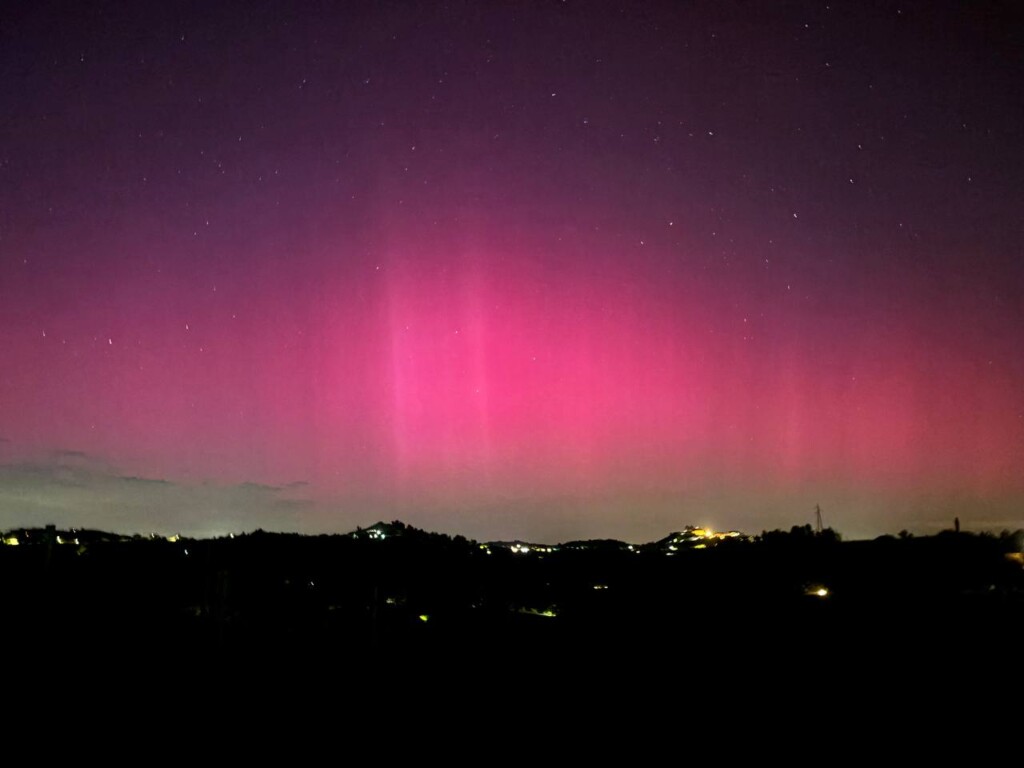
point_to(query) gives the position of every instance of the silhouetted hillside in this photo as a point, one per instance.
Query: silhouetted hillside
(395, 590)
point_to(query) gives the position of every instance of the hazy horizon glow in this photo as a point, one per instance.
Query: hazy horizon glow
(531, 273)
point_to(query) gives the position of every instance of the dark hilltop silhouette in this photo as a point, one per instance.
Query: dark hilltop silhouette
(394, 592)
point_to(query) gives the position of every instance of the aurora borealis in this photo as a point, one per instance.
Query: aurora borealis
(540, 270)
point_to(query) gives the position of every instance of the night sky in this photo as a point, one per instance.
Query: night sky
(544, 270)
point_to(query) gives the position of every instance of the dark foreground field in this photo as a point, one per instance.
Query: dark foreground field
(362, 607)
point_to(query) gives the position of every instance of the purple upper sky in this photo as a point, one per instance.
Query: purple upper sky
(544, 270)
